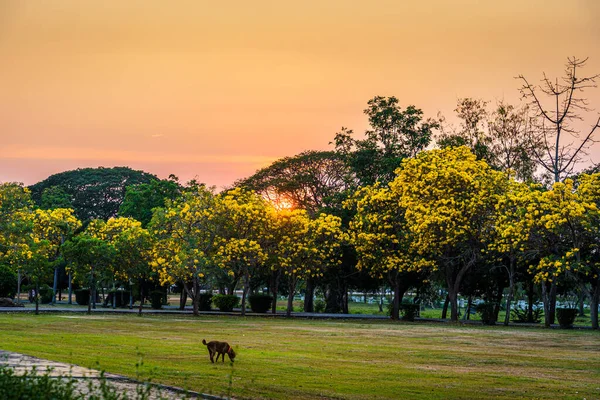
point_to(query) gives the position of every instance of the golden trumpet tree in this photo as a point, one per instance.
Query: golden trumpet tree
(187, 238)
(133, 249)
(245, 218)
(382, 239)
(512, 231)
(450, 200)
(53, 228)
(564, 223)
(305, 246)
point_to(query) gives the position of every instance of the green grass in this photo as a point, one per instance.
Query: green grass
(304, 359)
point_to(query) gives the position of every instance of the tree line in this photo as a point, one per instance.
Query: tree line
(496, 205)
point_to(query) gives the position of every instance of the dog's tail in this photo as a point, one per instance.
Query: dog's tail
(204, 342)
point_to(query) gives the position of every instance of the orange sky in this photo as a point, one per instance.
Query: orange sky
(215, 90)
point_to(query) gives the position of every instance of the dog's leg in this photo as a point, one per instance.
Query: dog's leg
(212, 354)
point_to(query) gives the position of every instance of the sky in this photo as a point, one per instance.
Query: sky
(216, 90)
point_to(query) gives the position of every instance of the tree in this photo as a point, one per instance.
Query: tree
(15, 227)
(588, 259)
(310, 181)
(511, 235)
(473, 116)
(89, 257)
(511, 149)
(142, 198)
(395, 134)
(55, 197)
(306, 247)
(383, 241)
(560, 144)
(566, 224)
(245, 217)
(450, 199)
(55, 227)
(132, 246)
(187, 236)
(95, 193)
(499, 137)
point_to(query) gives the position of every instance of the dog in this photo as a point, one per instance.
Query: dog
(220, 349)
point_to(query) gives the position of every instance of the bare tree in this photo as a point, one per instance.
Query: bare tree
(556, 106)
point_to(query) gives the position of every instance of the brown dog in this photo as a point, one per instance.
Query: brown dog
(220, 348)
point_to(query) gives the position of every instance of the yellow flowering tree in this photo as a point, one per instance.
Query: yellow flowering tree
(382, 240)
(588, 262)
(450, 199)
(133, 250)
(186, 238)
(16, 225)
(244, 233)
(305, 247)
(54, 227)
(564, 220)
(511, 235)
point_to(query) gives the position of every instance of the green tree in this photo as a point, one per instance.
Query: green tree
(95, 193)
(142, 198)
(89, 257)
(394, 134)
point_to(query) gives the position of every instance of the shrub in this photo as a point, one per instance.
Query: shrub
(409, 311)
(487, 313)
(205, 302)
(121, 298)
(566, 317)
(319, 306)
(157, 299)
(8, 282)
(82, 296)
(46, 294)
(226, 302)
(520, 315)
(260, 303)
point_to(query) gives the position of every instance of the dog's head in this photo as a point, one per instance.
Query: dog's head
(231, 353)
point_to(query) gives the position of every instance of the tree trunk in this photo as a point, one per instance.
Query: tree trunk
(445, 308)
(468, 311)
(70, 288)
(396, 302)
(130, 296)
(509, 298)
(290, 304)
(453, 299)
(37, 298)
(594, 298)
(141, 283)
(309, 304)
(530, 294)
(55, 286)
(498, 302)
(195, 297)
(182, 299)
(245, 291)
(19, 286)
(274, 289)
(345, 299)
(549, 300)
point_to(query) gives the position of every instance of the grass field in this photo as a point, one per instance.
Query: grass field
(304, 359)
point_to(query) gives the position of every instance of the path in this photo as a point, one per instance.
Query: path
(22, 363)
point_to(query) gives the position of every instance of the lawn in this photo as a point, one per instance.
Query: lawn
(309, 359)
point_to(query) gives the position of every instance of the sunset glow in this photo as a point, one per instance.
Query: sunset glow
(217, 90)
